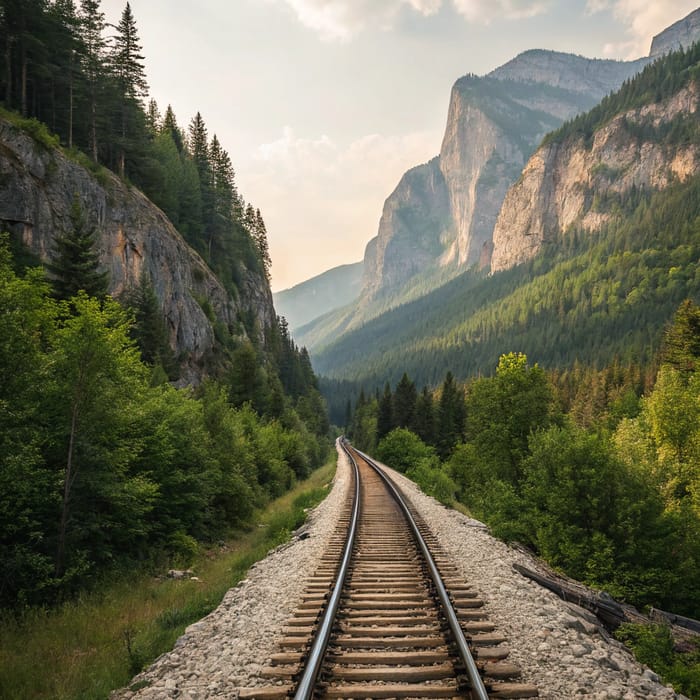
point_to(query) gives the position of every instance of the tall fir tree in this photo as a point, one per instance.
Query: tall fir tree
(126, 65)
(76, 263)
(92, 24)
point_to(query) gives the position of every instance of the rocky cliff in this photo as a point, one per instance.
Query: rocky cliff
(411, 229)
(568, 182)
(443, 213)
(37, 186)
(680, 34)
(494, 123)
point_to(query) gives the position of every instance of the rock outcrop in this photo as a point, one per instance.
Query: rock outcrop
(414, 221)
(683, 33)
(443, 213)
(564, 182)
(494, 124)
(37, 187)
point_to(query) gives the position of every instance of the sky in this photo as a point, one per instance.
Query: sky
(324, 104)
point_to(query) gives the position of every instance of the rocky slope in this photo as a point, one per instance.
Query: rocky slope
(680, 34)
(493, 125)
(566, 183)
(37, 186)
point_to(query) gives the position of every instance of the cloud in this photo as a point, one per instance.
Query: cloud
(342, 19)
(484, 11)
(325, 198)
(642, 19)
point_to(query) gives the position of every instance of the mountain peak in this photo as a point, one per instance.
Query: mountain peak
(682, 33)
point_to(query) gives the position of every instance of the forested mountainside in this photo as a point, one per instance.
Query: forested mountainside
(319, 295)
(591, 292)
(440, 219)
(129, 264)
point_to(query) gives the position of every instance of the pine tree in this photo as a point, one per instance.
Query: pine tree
(126, 63)
(404, 403)
(170, 126)
(385, 413)
(92, 24)
(260, 237)
(76, 261)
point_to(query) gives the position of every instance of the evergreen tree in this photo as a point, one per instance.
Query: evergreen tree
(149, 330)
(404, 403)
(76, 261)
(385, 413)
(424, 417)
(92, 24)
(170, 126)
(451, 415)
(260, 237)
(126, 63)
(681, 344)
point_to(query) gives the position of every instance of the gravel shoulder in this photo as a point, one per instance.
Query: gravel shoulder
(559, 647)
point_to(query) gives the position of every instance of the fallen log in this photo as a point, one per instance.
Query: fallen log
(609, 611)
(672, 619)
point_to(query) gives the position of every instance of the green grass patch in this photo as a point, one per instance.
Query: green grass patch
(96, 643)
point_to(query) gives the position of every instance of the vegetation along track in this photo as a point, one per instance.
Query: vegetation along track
(385, 614)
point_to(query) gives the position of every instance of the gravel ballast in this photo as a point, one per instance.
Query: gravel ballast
(559, 647)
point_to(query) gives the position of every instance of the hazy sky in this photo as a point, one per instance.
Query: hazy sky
(324, 104)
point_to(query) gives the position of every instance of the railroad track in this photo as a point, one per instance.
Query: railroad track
(386, 614)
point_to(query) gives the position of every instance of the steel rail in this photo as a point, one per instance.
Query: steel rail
(478, 688)
(305, 689)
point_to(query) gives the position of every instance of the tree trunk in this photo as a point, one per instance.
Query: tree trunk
(8, 73)
(69, 478)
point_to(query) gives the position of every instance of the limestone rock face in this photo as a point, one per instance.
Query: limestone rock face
(414, 221)
(680, 34)
(563, 183)
(37, 187)
(443, 213)
(594, 77)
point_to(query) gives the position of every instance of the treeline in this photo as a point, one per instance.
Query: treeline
(105, 466)
(68, 68)
(659, 80)
(587, 298)
(604, 488)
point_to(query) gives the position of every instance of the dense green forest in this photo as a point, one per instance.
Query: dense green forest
(587, 299)
(104, 466)
(603, 483)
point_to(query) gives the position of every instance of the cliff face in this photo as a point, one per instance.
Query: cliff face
(443, 213)
(413, 223)
(680, 34)
(37, 186)
(564, 183)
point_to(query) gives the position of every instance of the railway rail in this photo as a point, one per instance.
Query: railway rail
(386, 614)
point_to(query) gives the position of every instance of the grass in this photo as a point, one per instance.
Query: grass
(97, 643)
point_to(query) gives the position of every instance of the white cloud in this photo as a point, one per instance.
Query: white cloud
(484, 11)
(341, 19)
(322, 200)
(643, 20)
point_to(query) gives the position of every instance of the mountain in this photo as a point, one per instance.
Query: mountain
(38, 185)
(319, 295)
(440, 219)
(572, 181)
(680, 34)
(595, 246)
